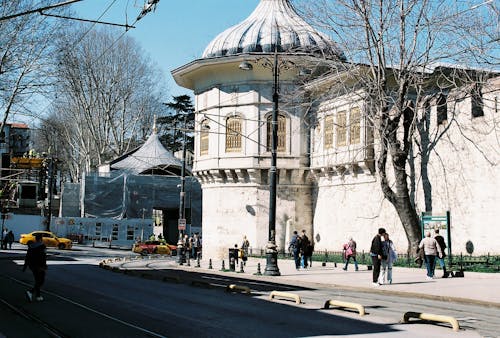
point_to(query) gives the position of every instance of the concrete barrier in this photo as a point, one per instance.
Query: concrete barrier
(432, 317)
(285, 295)
(233, 287)
(338, 303)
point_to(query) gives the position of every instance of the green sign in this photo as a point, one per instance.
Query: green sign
(430, 222)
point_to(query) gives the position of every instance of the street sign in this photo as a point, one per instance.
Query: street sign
(429, 222)
(181, 225)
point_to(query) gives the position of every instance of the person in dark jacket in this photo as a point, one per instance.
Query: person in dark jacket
(294, 248)
(376, 253)
(9, 239)
(442, 244)
(36, 260)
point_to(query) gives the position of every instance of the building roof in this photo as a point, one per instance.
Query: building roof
(149, 158)
(273, 26)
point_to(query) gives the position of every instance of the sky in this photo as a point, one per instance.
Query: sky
(176, 33)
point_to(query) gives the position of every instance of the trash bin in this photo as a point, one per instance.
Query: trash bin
(233, 258)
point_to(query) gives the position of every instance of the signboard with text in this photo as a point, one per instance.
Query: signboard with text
(430, 222)
(181, 225)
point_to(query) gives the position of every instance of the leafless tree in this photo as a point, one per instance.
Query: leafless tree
(26, 43)
(107, 93)
(401, 55)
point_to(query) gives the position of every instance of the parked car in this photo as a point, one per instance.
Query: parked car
(48, 238)
(154, 247)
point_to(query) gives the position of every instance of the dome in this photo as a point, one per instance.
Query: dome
(274, 23)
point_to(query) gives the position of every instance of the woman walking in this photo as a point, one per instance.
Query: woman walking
(389, 257)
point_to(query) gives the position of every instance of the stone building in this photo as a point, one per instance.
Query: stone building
(327, 182)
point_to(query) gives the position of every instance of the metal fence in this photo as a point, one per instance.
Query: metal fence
(485, 263)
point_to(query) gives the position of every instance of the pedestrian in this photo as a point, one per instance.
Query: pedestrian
(309, 252)
(4, 241)
(194, 246)
(36, 260)
(377, 255)
(304, 244)
(244, 249)
(187, 246)
(440, 240)
(9, 239)
(389, 257)
(350, 252)
(431, 250)
(294, 248)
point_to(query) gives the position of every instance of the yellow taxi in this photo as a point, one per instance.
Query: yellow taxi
(48, 238)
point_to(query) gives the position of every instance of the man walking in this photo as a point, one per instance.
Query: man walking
(294, 248)
(377, 255)
(36, 260)
(440, 240)
(431, 250)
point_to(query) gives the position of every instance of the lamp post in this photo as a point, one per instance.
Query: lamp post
(271, 250)
(181, 225)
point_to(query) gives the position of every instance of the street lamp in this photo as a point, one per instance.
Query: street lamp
(181, 252)
(271, 249)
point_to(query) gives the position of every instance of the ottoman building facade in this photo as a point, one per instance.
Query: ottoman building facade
(327, 182)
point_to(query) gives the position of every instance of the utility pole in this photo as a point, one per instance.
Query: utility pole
(49, 192)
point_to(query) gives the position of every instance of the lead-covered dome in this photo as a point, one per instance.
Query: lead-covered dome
(272, 23)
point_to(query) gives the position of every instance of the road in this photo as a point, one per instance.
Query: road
(83, 300)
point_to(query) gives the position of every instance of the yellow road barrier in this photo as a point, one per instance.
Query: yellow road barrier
(432, 317)
(285, 295)
(233, 287)
(333, 302)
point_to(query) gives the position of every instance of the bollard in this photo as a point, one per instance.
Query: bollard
(241, 267)
(210, 264)
(223, 266)
(258, 273)
(335, 264)
(198, 262)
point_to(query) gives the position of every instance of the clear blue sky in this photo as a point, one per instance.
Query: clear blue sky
(177, 32)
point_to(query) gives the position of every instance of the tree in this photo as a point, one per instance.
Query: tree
(180, 120)
(26, 43)
(107, 94)
(396, 51)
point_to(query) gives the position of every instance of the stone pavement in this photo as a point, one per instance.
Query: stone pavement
(475, 288)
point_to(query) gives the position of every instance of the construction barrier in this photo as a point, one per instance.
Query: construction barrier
(432, 317)
(285, 295)
(338, 303)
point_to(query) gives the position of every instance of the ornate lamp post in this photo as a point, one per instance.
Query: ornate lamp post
(181, 252)
(271, 249)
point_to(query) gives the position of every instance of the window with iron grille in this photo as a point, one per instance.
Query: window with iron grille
(233, 134)
(341, 128)
(328, 137)
(204, 133)
(281, 147)
(355, 125)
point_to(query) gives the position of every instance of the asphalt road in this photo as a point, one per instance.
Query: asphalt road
(83, 300)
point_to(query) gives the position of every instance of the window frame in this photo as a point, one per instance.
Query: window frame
(233, 134)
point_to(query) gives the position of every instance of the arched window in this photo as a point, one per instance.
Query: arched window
(281, 133)
(233, 134)
(328, 137)
(204, 133)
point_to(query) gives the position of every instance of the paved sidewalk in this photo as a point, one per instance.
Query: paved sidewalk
(474, 288)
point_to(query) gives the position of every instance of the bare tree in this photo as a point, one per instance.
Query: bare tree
(26, 43)
(401, 55)
(107, 94)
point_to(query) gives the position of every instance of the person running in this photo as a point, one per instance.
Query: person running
(431, 250)
(36, 261)
(350, 252)
(377, 255)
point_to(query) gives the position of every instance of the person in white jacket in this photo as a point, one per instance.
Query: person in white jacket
(431, 250)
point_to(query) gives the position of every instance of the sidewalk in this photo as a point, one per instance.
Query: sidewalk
(475, 288)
